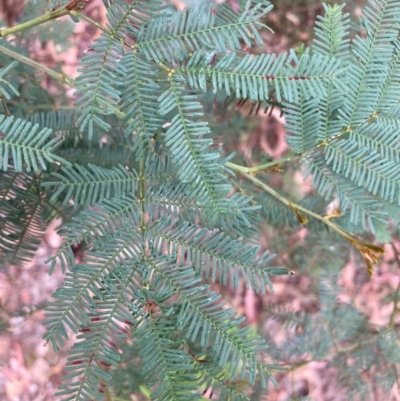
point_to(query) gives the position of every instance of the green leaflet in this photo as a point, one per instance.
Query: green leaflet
(255, 77)
(28, 147)
(93, 185)
(4, 84)
(102, 72)
(170, 36)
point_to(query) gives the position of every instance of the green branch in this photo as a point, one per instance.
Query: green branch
(369, 252)
(90, 21)
(60, 12)
(37, 66)
(142, 165)
(271, 166)
(63, 78)
(83, 17)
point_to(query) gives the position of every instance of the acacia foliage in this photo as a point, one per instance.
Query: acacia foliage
(135, 172)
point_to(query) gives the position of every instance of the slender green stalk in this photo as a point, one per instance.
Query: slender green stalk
(142, 193)
(369, 252)
(90, 21)
(262, 167)
(34, 108)
(56, 75)
(83, 17)
(4, 104)
(65, 218)
(59, 12)
(295, 206)
(107, 394)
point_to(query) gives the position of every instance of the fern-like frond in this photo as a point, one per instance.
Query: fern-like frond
(161, 169)
(13, 184)
(100, 156)
(211, 253)
(23, 220)
(390, 118)
(139, 102)
(172, 37)
(254, 77)
(356, 148)
(363, 209)
(175, 200)
(331, 31)
(27, 147)
(371, 61)
(135, 15)
(379, 137)
(92, 185)
(172, 200)
(389, 96)
(95, 352)
(158, 348)
(201, 314)
(212, 378)
(62, 122)
(302, 125)
(95, 227)
(102, 71)
(186, 139)
(329, 125)
(76, 298)
(379, 175)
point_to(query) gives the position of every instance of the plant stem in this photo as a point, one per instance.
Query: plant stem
(292, 205)
(369, 252)
(141, 193)
(83, 17)
(32, 109)
(56, 75)
(107, 394)
(60, 12)
(90, 21)
(262, 167)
